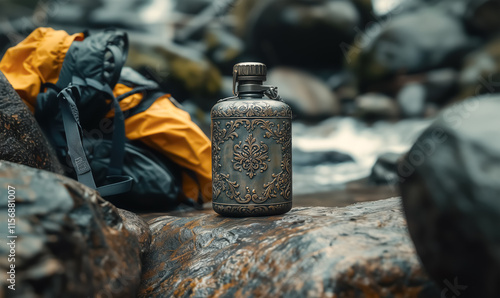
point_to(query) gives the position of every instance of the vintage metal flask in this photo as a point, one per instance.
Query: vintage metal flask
(251, 147)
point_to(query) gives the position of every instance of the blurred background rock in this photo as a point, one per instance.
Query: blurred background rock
(364, 77)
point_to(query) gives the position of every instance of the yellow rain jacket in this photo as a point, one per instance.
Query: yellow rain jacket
(164, 127)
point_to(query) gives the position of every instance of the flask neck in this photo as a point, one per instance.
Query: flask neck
(250, 89)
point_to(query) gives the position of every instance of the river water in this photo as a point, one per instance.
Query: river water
(363, 142)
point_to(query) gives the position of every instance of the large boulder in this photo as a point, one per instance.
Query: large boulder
(303, 34)
(64, 240)
(481, 71)
(481, 16)
(184, 71)
(407, 43)
(306, 94)
(319, 157)
(385, 169)
(138, 227)
(21, 139)
(357, 251)
(451, 193)
(374, 106)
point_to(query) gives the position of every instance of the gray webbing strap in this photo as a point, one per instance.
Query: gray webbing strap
(69, 111)
(118, 141)
(71, 122)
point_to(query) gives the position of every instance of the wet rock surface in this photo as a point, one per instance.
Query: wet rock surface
(138, 227)
(360, 250)
(70, 242)
(450, 193)
(21, 139)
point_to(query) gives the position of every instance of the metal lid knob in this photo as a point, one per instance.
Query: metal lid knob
(250, 69)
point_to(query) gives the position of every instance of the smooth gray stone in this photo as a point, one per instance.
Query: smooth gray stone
(451, 190)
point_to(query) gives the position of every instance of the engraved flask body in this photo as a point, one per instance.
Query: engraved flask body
(251, 148)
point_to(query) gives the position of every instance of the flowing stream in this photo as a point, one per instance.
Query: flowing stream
(350, 136)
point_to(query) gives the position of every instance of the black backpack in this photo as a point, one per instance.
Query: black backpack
(128, 173)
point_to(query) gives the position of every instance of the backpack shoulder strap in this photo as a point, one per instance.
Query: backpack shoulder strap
(118, 147)
(72, 128)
